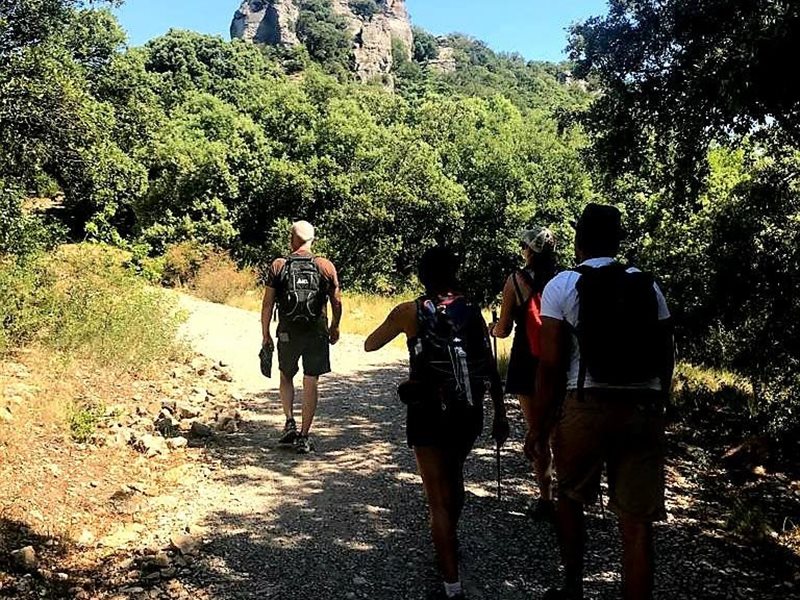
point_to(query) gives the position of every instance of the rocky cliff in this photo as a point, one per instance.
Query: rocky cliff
(274, 22)
(267, 22)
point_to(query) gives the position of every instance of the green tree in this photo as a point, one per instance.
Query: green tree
(325, 35)
(364, 8)
(677, 75)
(426, 47)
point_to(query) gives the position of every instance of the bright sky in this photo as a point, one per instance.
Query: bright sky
(534, 28)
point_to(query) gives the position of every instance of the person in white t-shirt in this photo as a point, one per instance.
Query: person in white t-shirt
(607, 335)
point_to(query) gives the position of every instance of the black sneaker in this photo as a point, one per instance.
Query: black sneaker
(289, 436)
(302, 444)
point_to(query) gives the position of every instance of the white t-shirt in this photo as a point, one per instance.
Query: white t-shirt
(560, 302)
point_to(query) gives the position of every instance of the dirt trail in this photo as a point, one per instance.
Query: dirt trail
(350, 522)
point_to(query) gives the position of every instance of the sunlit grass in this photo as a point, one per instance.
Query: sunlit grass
(363, 313)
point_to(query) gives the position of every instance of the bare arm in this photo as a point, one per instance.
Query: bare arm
(396, 323)
(551, 363)
(668, 355)
(549, 382)
(505, 325)
(267, 306)
(336, 313)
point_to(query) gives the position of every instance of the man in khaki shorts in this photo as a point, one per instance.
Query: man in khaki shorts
(607, 333)
(302, 285)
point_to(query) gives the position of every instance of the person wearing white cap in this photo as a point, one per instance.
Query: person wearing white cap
(302, 285)
(521, 299)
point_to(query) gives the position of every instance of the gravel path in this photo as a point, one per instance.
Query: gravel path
(350, 520)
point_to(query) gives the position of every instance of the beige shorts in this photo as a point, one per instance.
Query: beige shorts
(622, 431)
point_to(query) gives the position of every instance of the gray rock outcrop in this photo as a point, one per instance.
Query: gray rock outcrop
(267, 22)
(445, 62)
(275, 21)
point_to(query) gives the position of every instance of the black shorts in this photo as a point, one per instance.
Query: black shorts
(453, 429)
(522, 366)
(312, 345)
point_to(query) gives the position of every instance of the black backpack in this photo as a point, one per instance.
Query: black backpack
(451, 350)
(301, 297)
(618, 328)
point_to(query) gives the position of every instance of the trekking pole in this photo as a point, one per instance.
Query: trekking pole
(602, 504)
(497, 444)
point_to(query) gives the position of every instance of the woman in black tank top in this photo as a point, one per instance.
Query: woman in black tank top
(442, 427)
(538, 249)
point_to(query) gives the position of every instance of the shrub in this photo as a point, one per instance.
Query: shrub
(83, 422)
(219, 279)
(426, 47)
(364, 8)
(103, 312)
(26, 294)
(82, 302)
(324, 34)
(20, 233)
(182, 263)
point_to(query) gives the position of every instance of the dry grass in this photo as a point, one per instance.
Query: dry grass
(83, 302)
(53, 486)
(219, 280)
(363, 313)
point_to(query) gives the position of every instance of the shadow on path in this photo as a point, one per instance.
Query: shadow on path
(350, 520)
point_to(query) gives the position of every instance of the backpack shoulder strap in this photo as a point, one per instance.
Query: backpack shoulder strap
(517, 288)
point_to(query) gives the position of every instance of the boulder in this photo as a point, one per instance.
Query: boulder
(151, 445)
(177, 443)
(201, 430)
(187, 545)
(25, 559)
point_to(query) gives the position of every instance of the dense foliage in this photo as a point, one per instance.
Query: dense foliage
(672, 107)
(696, 134)
(325, 35)
(195, 138)
(364, 8)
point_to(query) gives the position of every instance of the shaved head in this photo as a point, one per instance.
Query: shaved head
(302, 234)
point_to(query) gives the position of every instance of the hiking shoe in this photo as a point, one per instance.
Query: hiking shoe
(289, 433)
(302, 444)
(543, 510)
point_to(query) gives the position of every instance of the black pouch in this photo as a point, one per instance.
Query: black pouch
(265, 358)
(411, 393)
(417, 394)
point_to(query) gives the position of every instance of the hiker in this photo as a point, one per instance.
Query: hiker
(520, 310)
(451, 368)
(301, 285)
(618, 372)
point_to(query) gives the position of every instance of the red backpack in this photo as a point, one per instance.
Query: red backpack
(532, 311)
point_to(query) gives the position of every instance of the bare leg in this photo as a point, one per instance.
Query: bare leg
(445, 500)
(638, 560)
(543, 463)
(543, 467)
(310, 399)
(287, 396)
(572, 536)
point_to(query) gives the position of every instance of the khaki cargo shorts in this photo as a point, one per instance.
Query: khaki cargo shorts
(623, 431)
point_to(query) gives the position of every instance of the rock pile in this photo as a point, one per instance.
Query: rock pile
(200, 412)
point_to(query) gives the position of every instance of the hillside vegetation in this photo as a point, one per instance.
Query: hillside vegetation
(194, 139)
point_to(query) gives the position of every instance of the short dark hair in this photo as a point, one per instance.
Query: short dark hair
(595, 244)
(438, 270)
(599, 231)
